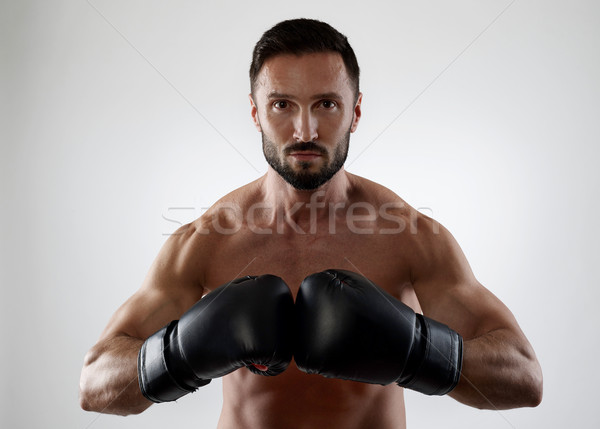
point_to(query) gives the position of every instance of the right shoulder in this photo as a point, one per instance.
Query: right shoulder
(185, 255)
(193, 242)
(180, 259)
(228, 214)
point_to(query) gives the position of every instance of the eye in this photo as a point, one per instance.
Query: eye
(328, 104)
(281, 104)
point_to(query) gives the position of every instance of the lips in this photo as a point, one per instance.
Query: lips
(305, 155)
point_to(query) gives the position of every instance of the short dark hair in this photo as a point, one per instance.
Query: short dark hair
(303, 36)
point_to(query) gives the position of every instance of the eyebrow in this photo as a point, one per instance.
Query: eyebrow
(328, 95)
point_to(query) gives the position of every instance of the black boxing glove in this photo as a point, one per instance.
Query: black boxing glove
(349, 328)
(246, 322)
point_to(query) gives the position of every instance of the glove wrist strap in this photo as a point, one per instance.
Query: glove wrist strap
(158, 382)
(440, 360)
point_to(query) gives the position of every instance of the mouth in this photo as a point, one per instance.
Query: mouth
(305, 152)
(305, 155)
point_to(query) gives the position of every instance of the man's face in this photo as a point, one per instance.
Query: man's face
(305, 108)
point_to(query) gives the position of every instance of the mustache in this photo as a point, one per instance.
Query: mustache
(304, 146)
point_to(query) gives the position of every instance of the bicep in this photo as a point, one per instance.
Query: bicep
(144, 313)
(169, 289)
(468, 308)
(449, 292)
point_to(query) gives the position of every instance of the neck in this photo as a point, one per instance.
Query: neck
(301, 206)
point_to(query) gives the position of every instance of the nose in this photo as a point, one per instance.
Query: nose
(305, 127)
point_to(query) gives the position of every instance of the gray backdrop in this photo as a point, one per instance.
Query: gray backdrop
(121, 120)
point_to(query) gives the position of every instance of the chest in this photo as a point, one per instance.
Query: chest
(295, 257)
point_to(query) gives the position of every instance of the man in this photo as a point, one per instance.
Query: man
(366, 293)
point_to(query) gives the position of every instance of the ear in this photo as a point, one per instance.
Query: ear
(254, 113)
(357, 113)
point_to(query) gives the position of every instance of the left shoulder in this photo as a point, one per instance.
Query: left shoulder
(365, 190)
(422, 231)
(437, 253)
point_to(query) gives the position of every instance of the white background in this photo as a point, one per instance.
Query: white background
(100, 145)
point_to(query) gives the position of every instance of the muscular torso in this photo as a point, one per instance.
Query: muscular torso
(295, 399)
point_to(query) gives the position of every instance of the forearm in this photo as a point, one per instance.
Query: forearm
(109, 379)
(500, 371)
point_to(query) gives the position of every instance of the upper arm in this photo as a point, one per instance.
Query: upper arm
(172, 285)
(448, 290)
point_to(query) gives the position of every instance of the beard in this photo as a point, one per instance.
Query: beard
(304, 180)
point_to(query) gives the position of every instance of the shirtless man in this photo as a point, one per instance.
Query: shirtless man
(304, 216)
